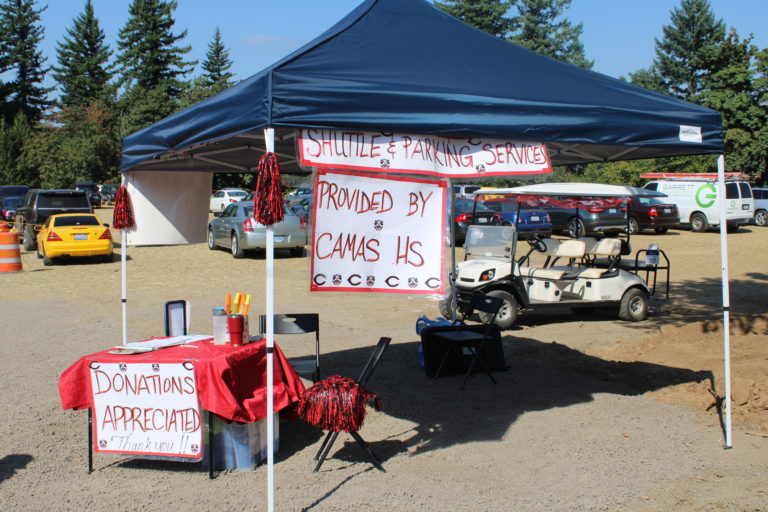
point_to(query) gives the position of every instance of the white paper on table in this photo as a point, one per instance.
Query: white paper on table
(156, 343)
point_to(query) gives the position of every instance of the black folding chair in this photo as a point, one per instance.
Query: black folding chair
(469, 337)
(330, 438)
(298, 323)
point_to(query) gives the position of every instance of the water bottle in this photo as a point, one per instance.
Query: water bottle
(220, 326)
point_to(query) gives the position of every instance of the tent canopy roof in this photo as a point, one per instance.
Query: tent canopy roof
(405, 66)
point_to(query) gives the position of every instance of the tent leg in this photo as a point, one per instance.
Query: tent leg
(269, 137)
(726, 301)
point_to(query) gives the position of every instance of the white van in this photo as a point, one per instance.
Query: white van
(697, 201)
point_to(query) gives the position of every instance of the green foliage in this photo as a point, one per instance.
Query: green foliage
(686, 53)
(487, 15)
(78, 143)
(21, 33)
(539, 27)
(83, 72)
(12, 137)
(141, 107)
(217, 63)
(649, 79)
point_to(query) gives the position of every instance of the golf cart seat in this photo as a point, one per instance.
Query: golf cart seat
(604, 248)
(570, 249)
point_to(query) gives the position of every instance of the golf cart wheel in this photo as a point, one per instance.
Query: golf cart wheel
(761, 217)
(634, 305)
(634, 227)
(211, 240)
(507, 314)
(445, 309)
(576, 228)
(660, 231)
(699, 223)
(237, 250)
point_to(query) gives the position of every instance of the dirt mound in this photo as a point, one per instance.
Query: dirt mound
(699, 347)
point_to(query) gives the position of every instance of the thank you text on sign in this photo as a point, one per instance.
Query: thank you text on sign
(421, 154)
(377, 233)
(147, 409)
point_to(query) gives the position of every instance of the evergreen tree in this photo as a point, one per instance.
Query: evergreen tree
(686, 53)
(217, 63)
(83, 72)
(21, 31)
(731, 90)
(12, 137)
(151, 64)
(648, 78)
(537, 28)
(487, 15)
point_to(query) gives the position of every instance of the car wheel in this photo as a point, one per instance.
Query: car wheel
(237, 250)
(661, 231)
(634, 227)
(46, 260)
(507, 314)
(29, 239)
(761, 217)
(634, 305)
(699, 223)
(576, 228)
(211, 240)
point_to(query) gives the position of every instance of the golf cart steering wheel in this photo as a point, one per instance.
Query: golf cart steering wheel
(537, 243)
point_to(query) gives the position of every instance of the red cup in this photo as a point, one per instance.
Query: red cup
(236, 326)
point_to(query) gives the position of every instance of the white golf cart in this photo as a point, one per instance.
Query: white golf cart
(578, 273)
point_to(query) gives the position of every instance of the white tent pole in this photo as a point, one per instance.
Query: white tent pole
(269, 139)
(452, 231)
(726, 300)
(124, 297)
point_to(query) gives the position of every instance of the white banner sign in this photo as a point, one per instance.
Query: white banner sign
(146, 409)
(377, 233)
(421, 154)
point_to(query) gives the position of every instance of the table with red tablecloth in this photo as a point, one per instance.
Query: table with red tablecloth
(231, 381)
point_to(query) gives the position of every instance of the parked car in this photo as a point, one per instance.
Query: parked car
(39, 204)
(588, 220)
(531, 220)
(464, 217)
(109, 192)
(297, 195)
(464, 191)
(761, 206)
(12, 190)
(655, 213)
(236, 229)
(91, 190)
(226, 196)
(74, 235)
(8, 207)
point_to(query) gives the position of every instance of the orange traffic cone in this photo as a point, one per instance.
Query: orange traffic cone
(10, 254)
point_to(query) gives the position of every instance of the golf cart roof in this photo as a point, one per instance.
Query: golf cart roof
(574, 190)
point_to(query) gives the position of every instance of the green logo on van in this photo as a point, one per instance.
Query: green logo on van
(705, 195)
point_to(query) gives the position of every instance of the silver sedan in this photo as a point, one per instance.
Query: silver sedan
(236, 229)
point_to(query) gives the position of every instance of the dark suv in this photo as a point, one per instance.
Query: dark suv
(39, 204)
(587, 220)
(91, 189)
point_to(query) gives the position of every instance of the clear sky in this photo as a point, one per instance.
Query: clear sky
(618, 34)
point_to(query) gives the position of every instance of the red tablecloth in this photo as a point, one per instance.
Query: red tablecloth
(231, 381)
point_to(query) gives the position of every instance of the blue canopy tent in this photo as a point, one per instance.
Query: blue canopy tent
(405, 66)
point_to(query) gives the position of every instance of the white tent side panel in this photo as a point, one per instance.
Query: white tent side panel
(170, 208)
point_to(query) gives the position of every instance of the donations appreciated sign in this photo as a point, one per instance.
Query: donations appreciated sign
(377, 233)
(421, 154)
(146, 409)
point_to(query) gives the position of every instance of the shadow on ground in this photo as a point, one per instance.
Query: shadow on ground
(11, 464)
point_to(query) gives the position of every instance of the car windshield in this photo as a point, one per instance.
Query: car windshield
(11, 202)
(88, 186)
(63, 201)
(249, 211)
(76, 220)
(490, 241)
(466, 205)
(237, 193)
(650, 200)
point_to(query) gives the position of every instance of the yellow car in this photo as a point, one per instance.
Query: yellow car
(75, 235)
